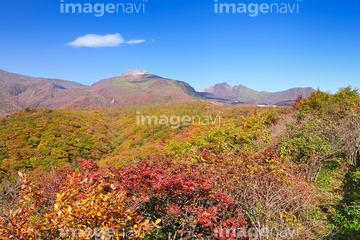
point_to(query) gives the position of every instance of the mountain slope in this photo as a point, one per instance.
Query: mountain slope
(288, 95)
(135, 87)
(19, 91)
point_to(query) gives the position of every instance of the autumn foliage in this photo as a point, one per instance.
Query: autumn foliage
(85, 210)
(135, 199)
(279, 173)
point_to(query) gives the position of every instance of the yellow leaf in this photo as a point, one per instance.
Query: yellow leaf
(59, 196)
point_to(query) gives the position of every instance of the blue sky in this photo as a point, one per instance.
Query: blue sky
(185, 40)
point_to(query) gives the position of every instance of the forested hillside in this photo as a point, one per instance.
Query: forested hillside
(233, 172)
(38, 139)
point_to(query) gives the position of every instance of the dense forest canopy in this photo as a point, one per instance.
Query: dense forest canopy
(254, 173)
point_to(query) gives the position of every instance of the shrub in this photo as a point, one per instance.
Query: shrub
(307, 145)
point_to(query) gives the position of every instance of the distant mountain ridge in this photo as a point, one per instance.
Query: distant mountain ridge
(239, 93)
(134, 87)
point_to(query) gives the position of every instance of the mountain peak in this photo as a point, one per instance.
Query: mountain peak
(138, 73)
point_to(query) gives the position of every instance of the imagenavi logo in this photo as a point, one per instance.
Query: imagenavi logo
(100, 9)
(254, 9)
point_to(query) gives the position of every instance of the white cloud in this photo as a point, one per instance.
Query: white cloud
(93, 40)
(109, 40)
(136, 41)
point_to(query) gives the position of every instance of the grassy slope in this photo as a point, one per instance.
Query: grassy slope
(135, 87)
(247, 93)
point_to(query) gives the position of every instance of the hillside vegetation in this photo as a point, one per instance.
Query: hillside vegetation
(232, 173)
